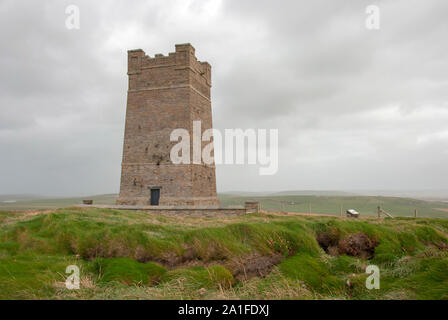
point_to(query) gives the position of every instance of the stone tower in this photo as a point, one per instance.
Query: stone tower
(165, 93)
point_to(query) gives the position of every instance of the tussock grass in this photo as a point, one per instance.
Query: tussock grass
(135, 255)
(127, 271)
(198, 277)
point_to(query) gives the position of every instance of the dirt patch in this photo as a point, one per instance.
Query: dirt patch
(171, 259)
(442, 246)
(328, 240)
(354, 244)
(242, 268)
(441, 209)
(254, 265)
(358, 245)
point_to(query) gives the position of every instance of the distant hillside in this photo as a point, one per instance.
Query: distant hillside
(325, 203)
(416, 194)
(366, 205)
(314, 193)
(19, 197)
(52, 203)
(291, 193)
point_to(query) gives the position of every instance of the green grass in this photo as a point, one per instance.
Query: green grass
(136, 255)
(365, 205)
(53, 203)
(313, 272)
(326, 204)
(127, 271)
(201, 277)
(32, 276)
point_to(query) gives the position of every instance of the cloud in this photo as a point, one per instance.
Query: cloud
(354, 108)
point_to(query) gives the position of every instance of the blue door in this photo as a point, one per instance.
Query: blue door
(155, 196)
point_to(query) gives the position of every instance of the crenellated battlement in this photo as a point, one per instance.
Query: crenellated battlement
(183, 57)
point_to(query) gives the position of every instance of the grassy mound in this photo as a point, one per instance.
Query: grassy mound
(313, 272)
(128, 271)
(202, 277)
(258, 256)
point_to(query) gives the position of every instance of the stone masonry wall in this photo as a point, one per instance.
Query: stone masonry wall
(165, 93)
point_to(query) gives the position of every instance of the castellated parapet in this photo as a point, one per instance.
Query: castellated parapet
(165, 93)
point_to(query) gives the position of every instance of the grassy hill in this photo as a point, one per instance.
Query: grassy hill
(136, 255)
(51, 203)
(326, 204)
(366, 205)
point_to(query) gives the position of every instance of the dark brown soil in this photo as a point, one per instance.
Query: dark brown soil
(442, 246)
(254, 265)
(328, 239)
(358, 245)
(354, 244)
(242, 268)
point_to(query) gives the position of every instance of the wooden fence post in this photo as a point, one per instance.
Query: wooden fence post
(379, 212)
(415, 213)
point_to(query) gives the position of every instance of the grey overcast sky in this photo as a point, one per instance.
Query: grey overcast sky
(355, 108)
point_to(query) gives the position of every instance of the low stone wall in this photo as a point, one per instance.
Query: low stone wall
(211, 211)
(252, 206)
(202, 212)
